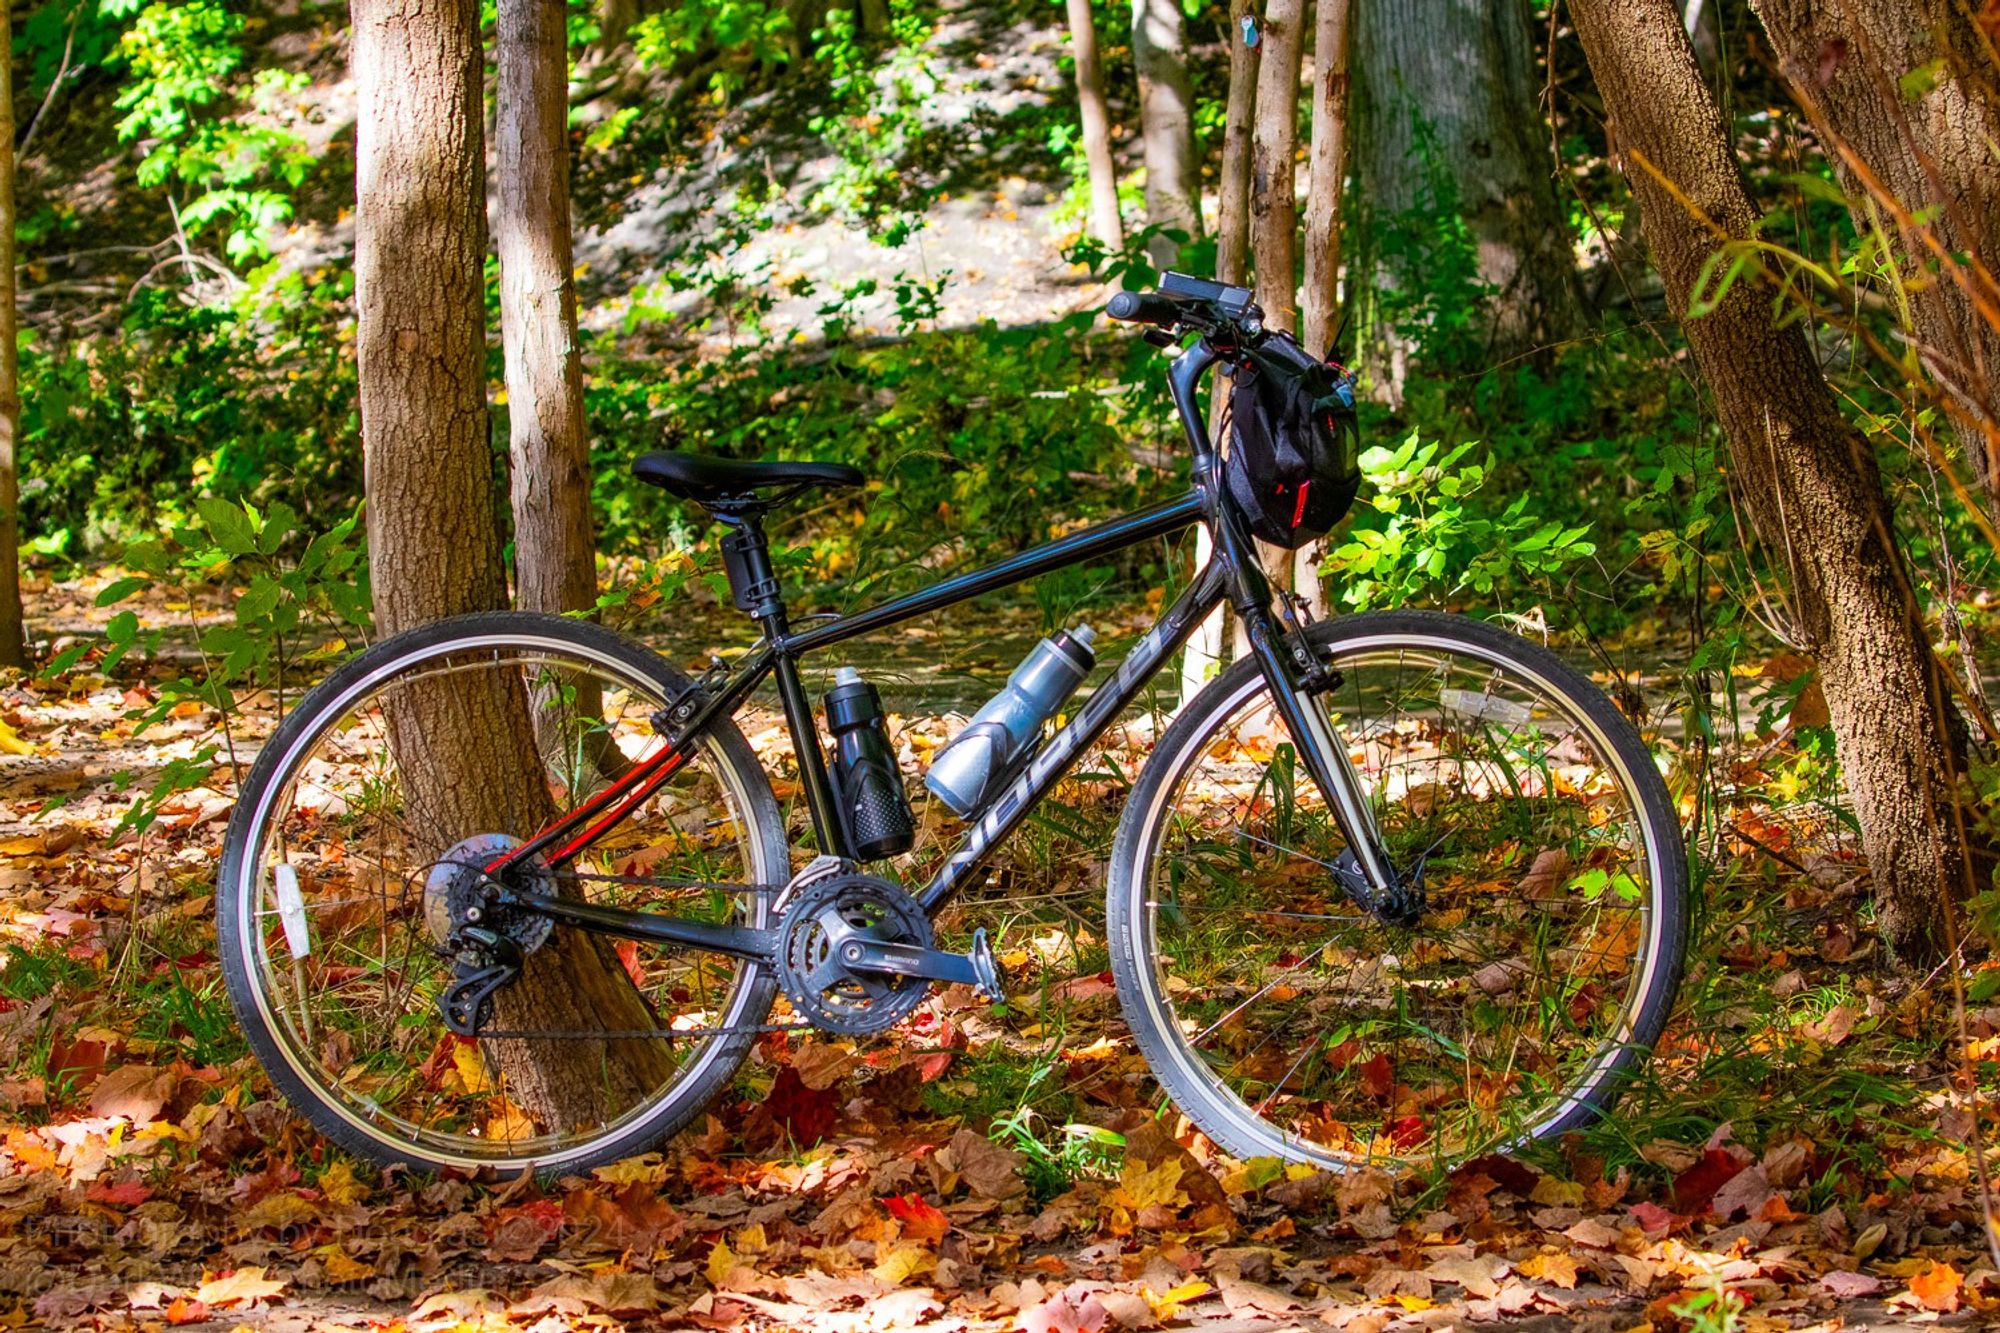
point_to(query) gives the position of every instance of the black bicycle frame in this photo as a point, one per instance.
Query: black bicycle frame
(1232, 574)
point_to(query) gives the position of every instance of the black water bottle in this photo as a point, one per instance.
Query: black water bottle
(866, 782)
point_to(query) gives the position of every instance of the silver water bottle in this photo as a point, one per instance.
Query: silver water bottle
(980, 758)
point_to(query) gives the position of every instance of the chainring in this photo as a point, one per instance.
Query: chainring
(455, 895)
(823, 990)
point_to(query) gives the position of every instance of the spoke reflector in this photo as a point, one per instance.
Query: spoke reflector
(292, 909)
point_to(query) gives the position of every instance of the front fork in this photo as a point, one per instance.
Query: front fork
(1297, 679)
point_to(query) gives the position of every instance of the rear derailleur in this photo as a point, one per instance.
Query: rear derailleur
(470, 924)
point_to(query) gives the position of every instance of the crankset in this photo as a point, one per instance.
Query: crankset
(855, 956)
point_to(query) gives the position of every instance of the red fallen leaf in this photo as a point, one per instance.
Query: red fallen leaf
(628, 954)
(182, 1310)
(76, 1063)
(1378, 1080)
(808, 1116)
(1407, 1131)
(1695, 1187)
(517, 1234)
(921, 1221)
(1508, 1174)
(931, 1067)
(1655, 1221)
(120, 1193)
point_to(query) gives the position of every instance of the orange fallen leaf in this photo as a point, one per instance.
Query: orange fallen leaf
(1937, 1288)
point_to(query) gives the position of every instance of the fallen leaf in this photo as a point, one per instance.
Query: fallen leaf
(1554, 1268)
(1937, 1288)
(1068, 1311)
(245, 1286)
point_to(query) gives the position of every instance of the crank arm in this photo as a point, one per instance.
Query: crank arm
(976, 969)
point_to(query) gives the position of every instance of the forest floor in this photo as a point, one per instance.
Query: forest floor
(1797, 1158)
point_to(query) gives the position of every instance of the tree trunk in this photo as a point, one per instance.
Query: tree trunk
(614, 19)
(433, 541)
(1166, 123)
(1934, 153)
(1326, 182)
(1447, 120)
(554, 550)
(1804, 473)
(1320, 304)
(13, 630)
(1232, 265)
(1105, 224)
(1274, 210)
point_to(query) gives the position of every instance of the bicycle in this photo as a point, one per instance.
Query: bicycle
(510, 891)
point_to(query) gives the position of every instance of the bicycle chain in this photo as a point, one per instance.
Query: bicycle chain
(649, 1034)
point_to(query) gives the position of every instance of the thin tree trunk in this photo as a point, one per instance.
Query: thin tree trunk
(1232, 265)
(1446, 114)
(1166, 122)
(1319, 306)
(1934, 153)
(434, 544)
(1274, 210)
(1105, 224)
(1804, 473)
(554, 549)
(1325, 185)
(1274, 207)
(13, 629)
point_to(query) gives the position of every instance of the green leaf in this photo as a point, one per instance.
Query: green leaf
(119, 589)
(232, 527)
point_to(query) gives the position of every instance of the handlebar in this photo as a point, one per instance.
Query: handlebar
(1185, 302)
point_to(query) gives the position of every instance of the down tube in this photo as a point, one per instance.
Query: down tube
(1106, 702)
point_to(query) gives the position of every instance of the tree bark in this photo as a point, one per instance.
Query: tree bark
(1445, 95)
(434, 545)
(1166, 122)
(1934, 155)
(1804, 473)
(554, 548)
(1319, 305)
(1325, 185)
(1105, 224)
(1203, 656)
(1274, 210)
(13, 628)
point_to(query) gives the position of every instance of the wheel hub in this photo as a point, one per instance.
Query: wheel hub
(459, 894)
(817, 937)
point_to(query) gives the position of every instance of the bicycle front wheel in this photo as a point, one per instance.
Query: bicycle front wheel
(1285, 1019)
(379, 797)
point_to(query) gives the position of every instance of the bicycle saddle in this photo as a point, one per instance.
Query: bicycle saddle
(706, 480)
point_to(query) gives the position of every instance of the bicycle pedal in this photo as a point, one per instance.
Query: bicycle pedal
(989, 987)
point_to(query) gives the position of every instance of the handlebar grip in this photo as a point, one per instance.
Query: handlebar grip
(1144, 308)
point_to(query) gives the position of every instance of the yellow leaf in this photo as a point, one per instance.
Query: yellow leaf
(750, 1240)
(344, 1267)
(1553, 1193)
(340, 1187)
(1142, 1186)
(1413, 1303)
(1254, 1174)
(1168, 1305)
(10, 743)
(721, 1263)
(243, 1286)
(647, 1169)
(510, 1125)
(470, 1062)
(903, 1261)
(1556, 1269)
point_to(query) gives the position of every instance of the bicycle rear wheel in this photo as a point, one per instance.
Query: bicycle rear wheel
(1285, 1019)
(437, 746)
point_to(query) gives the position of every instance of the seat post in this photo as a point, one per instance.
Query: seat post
(746, 557)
